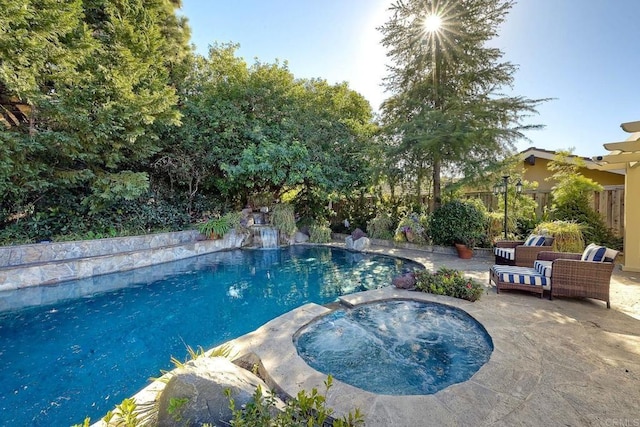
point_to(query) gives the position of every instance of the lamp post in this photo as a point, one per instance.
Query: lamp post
(502, 188)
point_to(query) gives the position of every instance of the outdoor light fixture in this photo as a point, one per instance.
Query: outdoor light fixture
(501, 188)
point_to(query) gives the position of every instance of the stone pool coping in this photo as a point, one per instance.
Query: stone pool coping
(560, 362)
(51, 263)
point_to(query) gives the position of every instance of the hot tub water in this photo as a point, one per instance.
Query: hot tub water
(396, 347)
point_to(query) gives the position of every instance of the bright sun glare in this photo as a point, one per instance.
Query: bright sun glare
(432, 23)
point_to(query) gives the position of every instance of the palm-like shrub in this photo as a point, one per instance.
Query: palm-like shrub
(381, 226)
(217, 227)
(320, 232)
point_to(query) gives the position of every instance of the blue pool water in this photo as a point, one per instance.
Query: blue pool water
(79, 357)
(396, 347)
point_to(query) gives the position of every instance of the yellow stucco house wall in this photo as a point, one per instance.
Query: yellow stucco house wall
(536, 160)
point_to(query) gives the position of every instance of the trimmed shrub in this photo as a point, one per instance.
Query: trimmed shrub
(319, 232)
(448, 282)
(457, 222)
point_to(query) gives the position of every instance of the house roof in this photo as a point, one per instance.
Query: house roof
(549, 155)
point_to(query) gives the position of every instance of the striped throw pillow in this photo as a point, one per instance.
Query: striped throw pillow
(594, 253)
(610, 255)
(534, 240)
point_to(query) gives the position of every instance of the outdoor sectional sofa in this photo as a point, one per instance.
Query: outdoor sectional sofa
(586, 275)
(522, 253)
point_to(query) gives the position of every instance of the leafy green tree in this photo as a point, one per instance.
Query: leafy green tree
(103, 122)
(212, 124)
(446, 113)
(337, 126)
(258, 130)
(572, 199)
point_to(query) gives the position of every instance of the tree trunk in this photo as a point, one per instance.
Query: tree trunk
(436, 184)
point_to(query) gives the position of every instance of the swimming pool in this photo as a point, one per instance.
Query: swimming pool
(80, 357)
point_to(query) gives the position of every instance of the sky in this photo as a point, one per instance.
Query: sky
(581, 53)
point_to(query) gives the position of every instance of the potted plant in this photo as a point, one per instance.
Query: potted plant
(457, 223)
(411, 229)
(465, 243)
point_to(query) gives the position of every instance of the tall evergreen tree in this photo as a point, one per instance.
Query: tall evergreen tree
(445, 109)
(42, 44)
(96, 79)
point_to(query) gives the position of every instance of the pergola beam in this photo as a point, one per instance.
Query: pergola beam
(621, 158)
(612, 166)
(623, 146)
(631, 126)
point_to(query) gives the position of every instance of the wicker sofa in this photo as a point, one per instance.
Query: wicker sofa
(571, 277)
(561, 273)
(517, 252)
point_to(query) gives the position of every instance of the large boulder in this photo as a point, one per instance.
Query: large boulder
(201, 385)
(357, 245)
(300, 237)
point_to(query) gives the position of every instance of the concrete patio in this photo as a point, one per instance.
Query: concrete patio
(564, 362)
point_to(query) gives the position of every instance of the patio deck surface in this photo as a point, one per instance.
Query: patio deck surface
(568, 362)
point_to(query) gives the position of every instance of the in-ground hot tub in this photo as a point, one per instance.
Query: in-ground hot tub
(396, 347)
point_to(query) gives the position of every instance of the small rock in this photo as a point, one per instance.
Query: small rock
(300, 237)
(358, 234)
(405, 281)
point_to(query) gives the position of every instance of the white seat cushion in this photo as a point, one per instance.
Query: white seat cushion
(543, 267)
(506, 253)
(522, 275)
(610, 255)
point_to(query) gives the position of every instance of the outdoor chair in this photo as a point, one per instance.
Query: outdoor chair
(508, 277)
(521, 253)
(586, 275)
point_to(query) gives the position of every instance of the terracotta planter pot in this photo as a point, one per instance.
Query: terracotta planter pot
(463, 251)
(409, 235)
